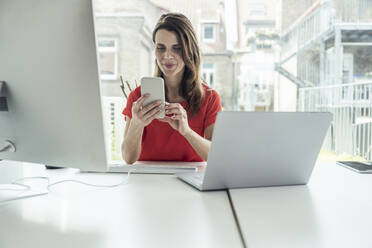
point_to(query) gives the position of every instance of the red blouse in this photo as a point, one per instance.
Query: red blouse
(160, 142)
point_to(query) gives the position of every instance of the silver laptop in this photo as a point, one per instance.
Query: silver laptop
(156, 167)
(256, 149)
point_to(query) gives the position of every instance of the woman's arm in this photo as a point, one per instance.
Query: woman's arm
(142, 116)
(201, 145)
(131, 147)
(179, 122)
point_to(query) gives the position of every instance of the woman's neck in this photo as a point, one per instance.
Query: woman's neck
(173, 87)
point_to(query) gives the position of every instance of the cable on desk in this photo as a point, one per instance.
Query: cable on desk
(125, 181)
(28, 178)
(27, 187)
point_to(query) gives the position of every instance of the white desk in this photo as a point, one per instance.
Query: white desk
(150, 211)
(333, 210)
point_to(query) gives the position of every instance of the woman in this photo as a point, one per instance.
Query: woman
(191, 107)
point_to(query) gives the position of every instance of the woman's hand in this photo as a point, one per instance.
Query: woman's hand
(176, 116)
(143, 116)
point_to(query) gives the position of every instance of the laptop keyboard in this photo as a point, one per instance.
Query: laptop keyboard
(153, 169)
(196, 177)
(199, 176)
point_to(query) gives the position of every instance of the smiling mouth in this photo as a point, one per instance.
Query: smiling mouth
(169, 66)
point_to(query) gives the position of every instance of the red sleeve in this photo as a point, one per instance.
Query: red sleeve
(133, 96)
(214, 106)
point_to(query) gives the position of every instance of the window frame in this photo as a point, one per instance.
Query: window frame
(208, 24)
(209, 72)
(254, 9)
(115, 51)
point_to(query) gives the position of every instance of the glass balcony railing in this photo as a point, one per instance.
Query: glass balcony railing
(321, 18)
(351, 105)
(114, 125)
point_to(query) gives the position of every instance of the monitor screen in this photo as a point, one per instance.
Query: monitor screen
(52, 90)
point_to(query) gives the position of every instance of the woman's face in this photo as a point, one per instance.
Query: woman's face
(168, 53)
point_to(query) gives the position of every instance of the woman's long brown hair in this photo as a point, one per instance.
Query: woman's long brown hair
(191, 87)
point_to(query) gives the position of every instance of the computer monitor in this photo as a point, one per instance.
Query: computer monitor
(51, 104)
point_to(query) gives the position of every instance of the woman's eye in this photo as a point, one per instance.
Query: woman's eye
(177, 49)
(160, 48)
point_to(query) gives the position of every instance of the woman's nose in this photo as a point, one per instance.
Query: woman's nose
(168, 54)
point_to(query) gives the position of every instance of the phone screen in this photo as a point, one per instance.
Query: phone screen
(155, 87)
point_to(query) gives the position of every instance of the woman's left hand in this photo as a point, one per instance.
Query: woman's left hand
(176, 116)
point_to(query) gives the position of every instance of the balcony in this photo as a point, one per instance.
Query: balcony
(351, 105)
(114, 125)
(318, 23)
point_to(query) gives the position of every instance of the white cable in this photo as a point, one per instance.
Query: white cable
(23, 197)
(27, 187)
(28, 178)
(126, 180)
(23, 185)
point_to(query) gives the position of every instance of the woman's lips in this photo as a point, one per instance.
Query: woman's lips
(170, 66)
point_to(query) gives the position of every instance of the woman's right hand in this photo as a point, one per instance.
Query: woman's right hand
(144, 115)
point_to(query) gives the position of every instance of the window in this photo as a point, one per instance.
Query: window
(208, 73)
(239, 49)
(208, 33)
(257, 10)
(108, 58)
(247, 29)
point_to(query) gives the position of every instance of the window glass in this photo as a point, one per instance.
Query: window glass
(107, 50)
(259, 55)
(208, 32)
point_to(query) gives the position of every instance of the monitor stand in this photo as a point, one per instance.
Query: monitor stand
(49, 167)
(8, 146)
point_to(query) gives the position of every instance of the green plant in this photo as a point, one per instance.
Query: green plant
(251, 40)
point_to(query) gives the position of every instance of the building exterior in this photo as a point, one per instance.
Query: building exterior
(326, 55)
(125, 47)
(241, 72)
(124, 32)
(237, 40)
(256, 53)
(208, 18)
(286, 91)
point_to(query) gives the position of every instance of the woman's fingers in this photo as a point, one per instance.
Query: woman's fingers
(138, 104)
(166, 119)
(174, 108)
(152, 114)
(174, 112)
(150, 106)
(176, 117)
(172, 105)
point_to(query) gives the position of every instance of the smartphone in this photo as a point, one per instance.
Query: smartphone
(155, 87)
(360, 167)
